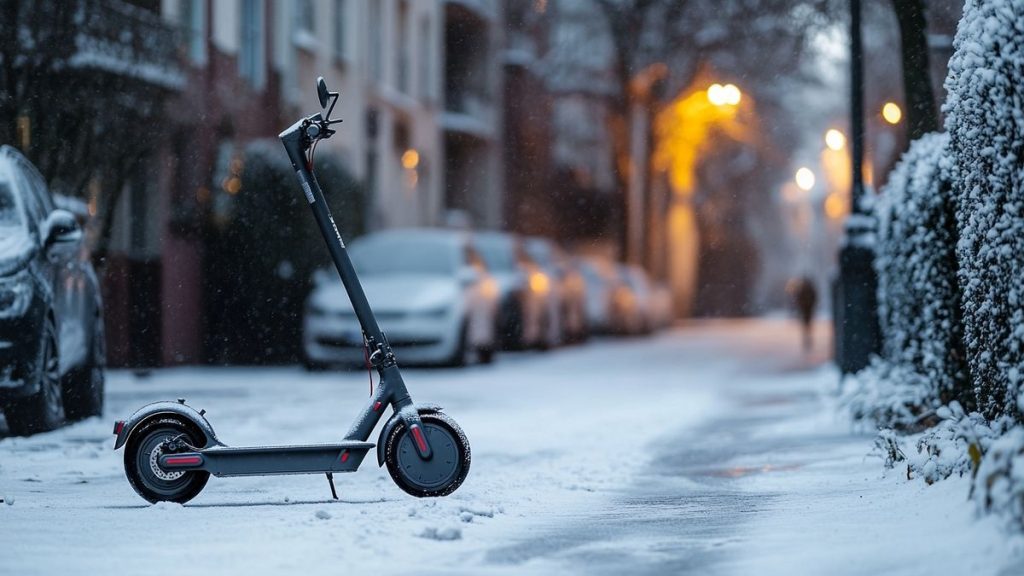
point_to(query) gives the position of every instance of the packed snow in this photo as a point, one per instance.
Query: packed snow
(715, 449)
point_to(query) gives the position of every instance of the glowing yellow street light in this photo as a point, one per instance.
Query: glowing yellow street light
(727, 95)
(805, 178)
(716, 95)
(891, 113)
(410, 159)
(732, 94)
(835, 140)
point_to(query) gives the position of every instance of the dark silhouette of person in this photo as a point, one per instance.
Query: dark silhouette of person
(805, 299)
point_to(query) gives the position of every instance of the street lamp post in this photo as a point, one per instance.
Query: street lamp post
(855, 307)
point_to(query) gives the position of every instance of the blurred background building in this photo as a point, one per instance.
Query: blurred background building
(667, 137)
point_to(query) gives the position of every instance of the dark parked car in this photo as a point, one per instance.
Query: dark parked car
(52, 350)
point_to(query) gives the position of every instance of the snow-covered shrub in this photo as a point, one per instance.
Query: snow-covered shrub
(999, 482)
(888, 395)
(922, 362)
(985, 119)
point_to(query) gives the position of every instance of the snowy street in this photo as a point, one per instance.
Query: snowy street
(712, 449)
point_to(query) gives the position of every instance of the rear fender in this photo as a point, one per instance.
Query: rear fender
(393, 421)
(157, 409)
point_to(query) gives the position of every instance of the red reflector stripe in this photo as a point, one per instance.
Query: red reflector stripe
(344, 456)
(118, 426)
(376, 406)
(183, 460)
(417, 435)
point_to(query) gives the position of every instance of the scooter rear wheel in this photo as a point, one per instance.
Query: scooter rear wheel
(145, 475)
(447, 468)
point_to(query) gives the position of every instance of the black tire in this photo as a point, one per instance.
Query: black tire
(510, 325)
(486, 355)
(148, 480)
(83, 391)
(44, 410)
(444, 472)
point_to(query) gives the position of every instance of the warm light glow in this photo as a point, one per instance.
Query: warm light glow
(728, 95)
(892, 113)
(232, 185)
(805, 178)
(835, 206)
(835, 140)
(489, 288)
(539, 283)
(684, 128)
(410, 159)
(732, 94)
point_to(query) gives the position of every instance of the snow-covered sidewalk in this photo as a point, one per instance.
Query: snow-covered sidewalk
(711, 449)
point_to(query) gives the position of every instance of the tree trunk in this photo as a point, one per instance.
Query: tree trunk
(922, 114)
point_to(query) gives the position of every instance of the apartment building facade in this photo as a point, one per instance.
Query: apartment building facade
(420, 93)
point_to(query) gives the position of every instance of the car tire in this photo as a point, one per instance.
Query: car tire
(460, 356)
(83, 391)
(44, 410)
(485, 354)
(510, 325)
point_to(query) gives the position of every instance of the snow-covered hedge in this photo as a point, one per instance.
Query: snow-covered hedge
(985, 119)
(922, 365)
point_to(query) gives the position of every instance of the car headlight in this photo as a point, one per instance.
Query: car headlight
(15, 295)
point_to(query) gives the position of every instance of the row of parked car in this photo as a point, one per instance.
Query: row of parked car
(452, 297)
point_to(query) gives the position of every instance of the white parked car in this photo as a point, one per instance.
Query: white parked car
(642, 309)
(430, 291)
(600, 282)
(525, 292)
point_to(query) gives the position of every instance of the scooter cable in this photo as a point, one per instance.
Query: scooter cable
(369, 369)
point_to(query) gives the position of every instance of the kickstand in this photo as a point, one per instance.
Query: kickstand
(330, 480)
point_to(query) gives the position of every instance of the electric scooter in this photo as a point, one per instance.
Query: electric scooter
(171, 449)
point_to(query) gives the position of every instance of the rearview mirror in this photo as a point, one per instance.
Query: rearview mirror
(61, 234)
(322, 92)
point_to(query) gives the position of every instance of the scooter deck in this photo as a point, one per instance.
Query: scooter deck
(265, 460)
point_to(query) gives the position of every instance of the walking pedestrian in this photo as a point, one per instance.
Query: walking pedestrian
(805, 299)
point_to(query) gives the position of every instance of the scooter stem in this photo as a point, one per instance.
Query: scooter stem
(392, 387)
(296, 144)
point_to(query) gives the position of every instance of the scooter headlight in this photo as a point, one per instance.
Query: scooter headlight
(15, 295)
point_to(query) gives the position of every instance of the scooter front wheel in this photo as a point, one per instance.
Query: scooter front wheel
(448, 466)
(142, 453)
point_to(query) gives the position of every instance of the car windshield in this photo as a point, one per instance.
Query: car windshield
(405, 254)
(498, 252)
(10, 214)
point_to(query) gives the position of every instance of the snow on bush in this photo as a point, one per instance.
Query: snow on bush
(922, 365)
(999, 483)
(888, 395)
(985, 118)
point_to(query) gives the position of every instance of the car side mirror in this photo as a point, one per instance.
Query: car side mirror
(61, 233)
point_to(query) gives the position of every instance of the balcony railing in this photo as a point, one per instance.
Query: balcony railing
(119, 38)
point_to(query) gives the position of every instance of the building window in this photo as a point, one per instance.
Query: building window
(426, 55)
(376, 40)
(305, 16)
(192, 20)
(251, 57)
(340, 35)
(403, 47)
